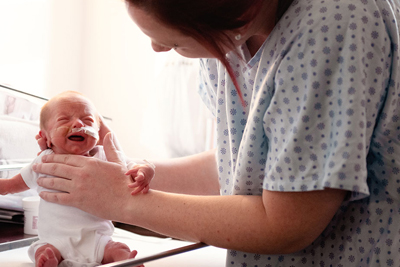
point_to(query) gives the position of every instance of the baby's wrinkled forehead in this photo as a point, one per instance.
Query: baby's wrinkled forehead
(74, 99)
(72, 103)
(65, 104)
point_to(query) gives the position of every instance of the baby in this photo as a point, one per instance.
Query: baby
(69, 124)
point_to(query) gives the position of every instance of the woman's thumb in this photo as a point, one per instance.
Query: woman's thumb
(110, 148)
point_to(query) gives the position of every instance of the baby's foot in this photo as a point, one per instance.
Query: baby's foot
(47, 259)
(132, 254)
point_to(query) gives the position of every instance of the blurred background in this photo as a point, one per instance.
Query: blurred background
(92, 46)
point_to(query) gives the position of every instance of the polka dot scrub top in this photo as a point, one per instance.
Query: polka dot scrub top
(321, 110)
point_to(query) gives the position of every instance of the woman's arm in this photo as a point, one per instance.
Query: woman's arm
(275, 222)
(195, 175)
(12, 185)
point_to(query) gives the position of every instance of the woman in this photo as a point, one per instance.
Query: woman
(306, 97)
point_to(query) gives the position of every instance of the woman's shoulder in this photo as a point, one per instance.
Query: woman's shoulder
(334, 11)
(309, 24)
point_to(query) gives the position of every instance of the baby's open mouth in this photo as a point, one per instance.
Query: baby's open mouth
(87, 130)
(76, 138)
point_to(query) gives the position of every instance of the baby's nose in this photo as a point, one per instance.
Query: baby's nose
(77, 124)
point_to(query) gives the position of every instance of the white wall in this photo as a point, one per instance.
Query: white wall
(93, 47)
(64, 54)
(118, 69)
(97, 50)
(23, 43)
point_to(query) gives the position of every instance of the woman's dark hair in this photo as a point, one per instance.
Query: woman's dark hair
(207, 21)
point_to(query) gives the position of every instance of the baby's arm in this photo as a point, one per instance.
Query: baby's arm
(12, 185)
(141, 175)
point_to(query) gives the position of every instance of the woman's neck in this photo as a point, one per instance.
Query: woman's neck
(262, 26)
(254, 43)
(273, 10)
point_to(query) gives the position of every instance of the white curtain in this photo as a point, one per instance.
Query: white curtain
(177, 123)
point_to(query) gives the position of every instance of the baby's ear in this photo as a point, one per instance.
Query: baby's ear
(46, 140)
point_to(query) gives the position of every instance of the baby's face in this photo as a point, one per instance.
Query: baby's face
(66, 114)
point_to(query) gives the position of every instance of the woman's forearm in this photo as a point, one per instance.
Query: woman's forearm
(196, 175)
(273, 223)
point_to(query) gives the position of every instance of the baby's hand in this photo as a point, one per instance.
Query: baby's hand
(141, 176)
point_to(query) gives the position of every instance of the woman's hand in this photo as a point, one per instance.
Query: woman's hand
(104, 130)
(90, 184)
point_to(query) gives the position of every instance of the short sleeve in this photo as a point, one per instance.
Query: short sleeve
(28, 175)
(329, 87)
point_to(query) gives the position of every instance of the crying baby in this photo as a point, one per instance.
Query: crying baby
(68, 236)
(69, 124)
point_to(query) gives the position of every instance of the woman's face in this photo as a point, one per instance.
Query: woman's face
(163, 38)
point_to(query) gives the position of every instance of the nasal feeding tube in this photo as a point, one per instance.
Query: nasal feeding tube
(87, 130)
(65, 130)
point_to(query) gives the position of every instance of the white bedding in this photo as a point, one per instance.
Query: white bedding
(146, 246)
(19, 124)
(17, 146)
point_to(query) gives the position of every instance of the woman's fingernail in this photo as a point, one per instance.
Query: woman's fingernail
(44, 158)
(34, 167)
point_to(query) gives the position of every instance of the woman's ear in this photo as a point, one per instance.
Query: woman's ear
(240, 32)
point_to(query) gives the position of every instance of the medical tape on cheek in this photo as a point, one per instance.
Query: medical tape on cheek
(87, 130)
(57, 133)
(62, 131)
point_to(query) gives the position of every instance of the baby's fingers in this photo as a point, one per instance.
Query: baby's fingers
(131, 172)
(134, 185)
(139, 177)
(137, 190)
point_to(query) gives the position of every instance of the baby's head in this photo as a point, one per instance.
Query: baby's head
(69, 123)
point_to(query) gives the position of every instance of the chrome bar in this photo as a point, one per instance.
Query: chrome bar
(12, 167)
(17, 244)
(168, 253)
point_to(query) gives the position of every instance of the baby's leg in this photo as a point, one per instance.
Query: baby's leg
(47, 256)
(116, 251)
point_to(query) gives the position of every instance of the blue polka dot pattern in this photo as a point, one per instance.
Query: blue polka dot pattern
(322, 109)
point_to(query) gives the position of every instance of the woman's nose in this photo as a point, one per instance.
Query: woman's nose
(159, 48)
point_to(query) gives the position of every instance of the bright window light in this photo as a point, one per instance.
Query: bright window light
(24, 34)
